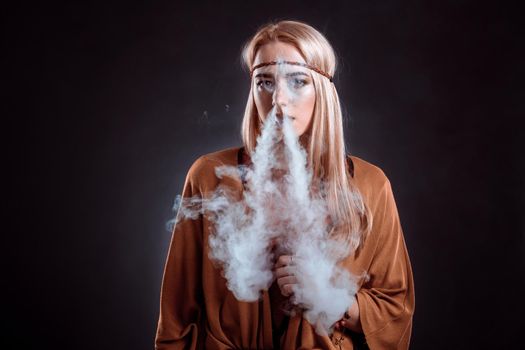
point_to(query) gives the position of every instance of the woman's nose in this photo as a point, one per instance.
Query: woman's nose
(280, 96)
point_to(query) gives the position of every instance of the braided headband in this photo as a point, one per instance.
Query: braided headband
(306, 65)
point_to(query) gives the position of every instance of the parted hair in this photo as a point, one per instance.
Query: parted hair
(327, 157)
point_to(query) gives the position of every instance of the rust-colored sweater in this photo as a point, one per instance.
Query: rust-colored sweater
(197, 311)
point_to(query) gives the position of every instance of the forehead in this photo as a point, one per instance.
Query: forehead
(278, 51)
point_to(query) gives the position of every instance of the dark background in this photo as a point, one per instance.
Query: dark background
(108, 104)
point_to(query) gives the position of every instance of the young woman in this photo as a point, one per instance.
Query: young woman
(291, 66)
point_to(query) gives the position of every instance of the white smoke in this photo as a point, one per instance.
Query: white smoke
(277, 205)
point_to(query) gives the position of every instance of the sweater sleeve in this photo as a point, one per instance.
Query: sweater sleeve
(181, 311)
(386, 301)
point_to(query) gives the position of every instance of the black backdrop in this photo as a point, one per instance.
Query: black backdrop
(107, 105)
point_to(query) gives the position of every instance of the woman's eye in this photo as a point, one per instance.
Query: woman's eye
(266, 84)
(298, 83)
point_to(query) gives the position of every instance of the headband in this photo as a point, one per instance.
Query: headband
(306, 65)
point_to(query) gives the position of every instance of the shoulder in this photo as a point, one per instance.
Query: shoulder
(203, 168)
(365, 171)
(209, 161)
(370, 179)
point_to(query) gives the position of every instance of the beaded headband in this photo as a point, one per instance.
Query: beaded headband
(306, 65)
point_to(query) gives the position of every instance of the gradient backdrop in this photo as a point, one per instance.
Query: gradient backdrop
(108, 104)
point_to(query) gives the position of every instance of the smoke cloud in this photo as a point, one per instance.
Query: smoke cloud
(278, 214)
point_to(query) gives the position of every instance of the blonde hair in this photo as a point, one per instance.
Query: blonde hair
(350, 217)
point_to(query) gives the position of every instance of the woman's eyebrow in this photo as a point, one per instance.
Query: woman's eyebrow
(294, 74)
(264, 75)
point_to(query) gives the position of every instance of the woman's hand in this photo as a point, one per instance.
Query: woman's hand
(284, 273)
(350, 320)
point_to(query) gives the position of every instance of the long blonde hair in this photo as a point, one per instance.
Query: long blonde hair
(350, 216)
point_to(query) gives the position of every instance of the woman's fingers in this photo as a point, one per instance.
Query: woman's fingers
(287, 290)
(286, 280)
(285, 271)
(286, 285)
(285, 274)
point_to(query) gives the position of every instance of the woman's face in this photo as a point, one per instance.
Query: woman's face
(286, 88)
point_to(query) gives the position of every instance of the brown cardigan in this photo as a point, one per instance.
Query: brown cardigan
(197, 311)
